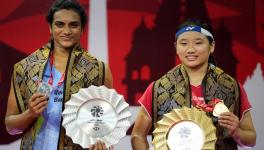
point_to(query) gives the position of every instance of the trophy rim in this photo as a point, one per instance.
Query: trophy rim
(102, 93)
(184, 114)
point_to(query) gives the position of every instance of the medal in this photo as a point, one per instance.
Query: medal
(44, 88)
(219, 108)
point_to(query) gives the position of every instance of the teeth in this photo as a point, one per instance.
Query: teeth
(191, 57)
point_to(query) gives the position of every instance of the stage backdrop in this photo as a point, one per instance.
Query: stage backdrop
(135, 37)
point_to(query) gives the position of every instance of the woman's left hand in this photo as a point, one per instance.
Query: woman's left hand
(230, 121)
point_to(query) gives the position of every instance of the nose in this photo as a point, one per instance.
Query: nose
(190, 48)
(67, 30)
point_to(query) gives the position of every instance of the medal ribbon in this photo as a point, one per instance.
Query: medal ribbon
(209, 107)
(50, 82)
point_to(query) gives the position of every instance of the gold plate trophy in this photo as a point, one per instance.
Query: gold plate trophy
(185, 129)
(188, 128)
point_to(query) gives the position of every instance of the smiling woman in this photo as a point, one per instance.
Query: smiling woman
(66, 29)
(194, 49)
(197, 82)
(45, 80)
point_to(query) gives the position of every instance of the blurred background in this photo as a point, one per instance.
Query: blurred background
(135, 37)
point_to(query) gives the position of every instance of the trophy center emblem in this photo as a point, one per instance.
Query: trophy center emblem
(97, 111)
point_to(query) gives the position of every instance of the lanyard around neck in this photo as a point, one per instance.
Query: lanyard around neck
(50, 82)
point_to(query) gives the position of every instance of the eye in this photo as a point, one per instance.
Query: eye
(183, 43)
(75, 25)
(199, 42)
(59, 24)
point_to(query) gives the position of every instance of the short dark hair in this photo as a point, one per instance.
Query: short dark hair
(204, 25)
(67, 4)
(199, 23)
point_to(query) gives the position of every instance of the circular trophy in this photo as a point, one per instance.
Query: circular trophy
(96, 113)
(185, 128)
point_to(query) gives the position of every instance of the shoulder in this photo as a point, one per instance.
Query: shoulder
(89, 56)
(108, 79)
(223, 76)
(31, 58)
(226, 81)
(85, 59)
(171, 72)
(37, 54)
(91, 62)
(88, 59)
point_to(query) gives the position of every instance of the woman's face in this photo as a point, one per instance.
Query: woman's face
(66, 28)
(193, 49)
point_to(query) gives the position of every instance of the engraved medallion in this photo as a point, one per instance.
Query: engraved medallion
(219, 108)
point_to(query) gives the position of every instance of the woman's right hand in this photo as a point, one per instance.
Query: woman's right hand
(17, 121)
(37, 104)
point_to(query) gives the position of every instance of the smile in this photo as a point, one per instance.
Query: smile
(191, 57)
(66, 38)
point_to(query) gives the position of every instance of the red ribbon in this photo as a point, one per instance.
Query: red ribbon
(50, 82)
(209, 107)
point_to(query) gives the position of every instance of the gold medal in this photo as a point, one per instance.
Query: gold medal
(219, 108)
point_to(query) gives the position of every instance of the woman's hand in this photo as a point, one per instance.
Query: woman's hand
(229, 121)
(99, 145)
(37, 104)
(242, 131)
(16, 122)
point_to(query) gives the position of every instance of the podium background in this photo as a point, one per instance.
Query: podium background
(135, 37)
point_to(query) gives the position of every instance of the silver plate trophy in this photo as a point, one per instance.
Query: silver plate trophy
(184, 129)
(96, 113)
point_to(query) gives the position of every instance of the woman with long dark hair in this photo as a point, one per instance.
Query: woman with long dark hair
(60, 68)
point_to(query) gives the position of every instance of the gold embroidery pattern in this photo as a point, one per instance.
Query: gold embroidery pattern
(25, 77)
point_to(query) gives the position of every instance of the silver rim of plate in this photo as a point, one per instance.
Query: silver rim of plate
(96, 113)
